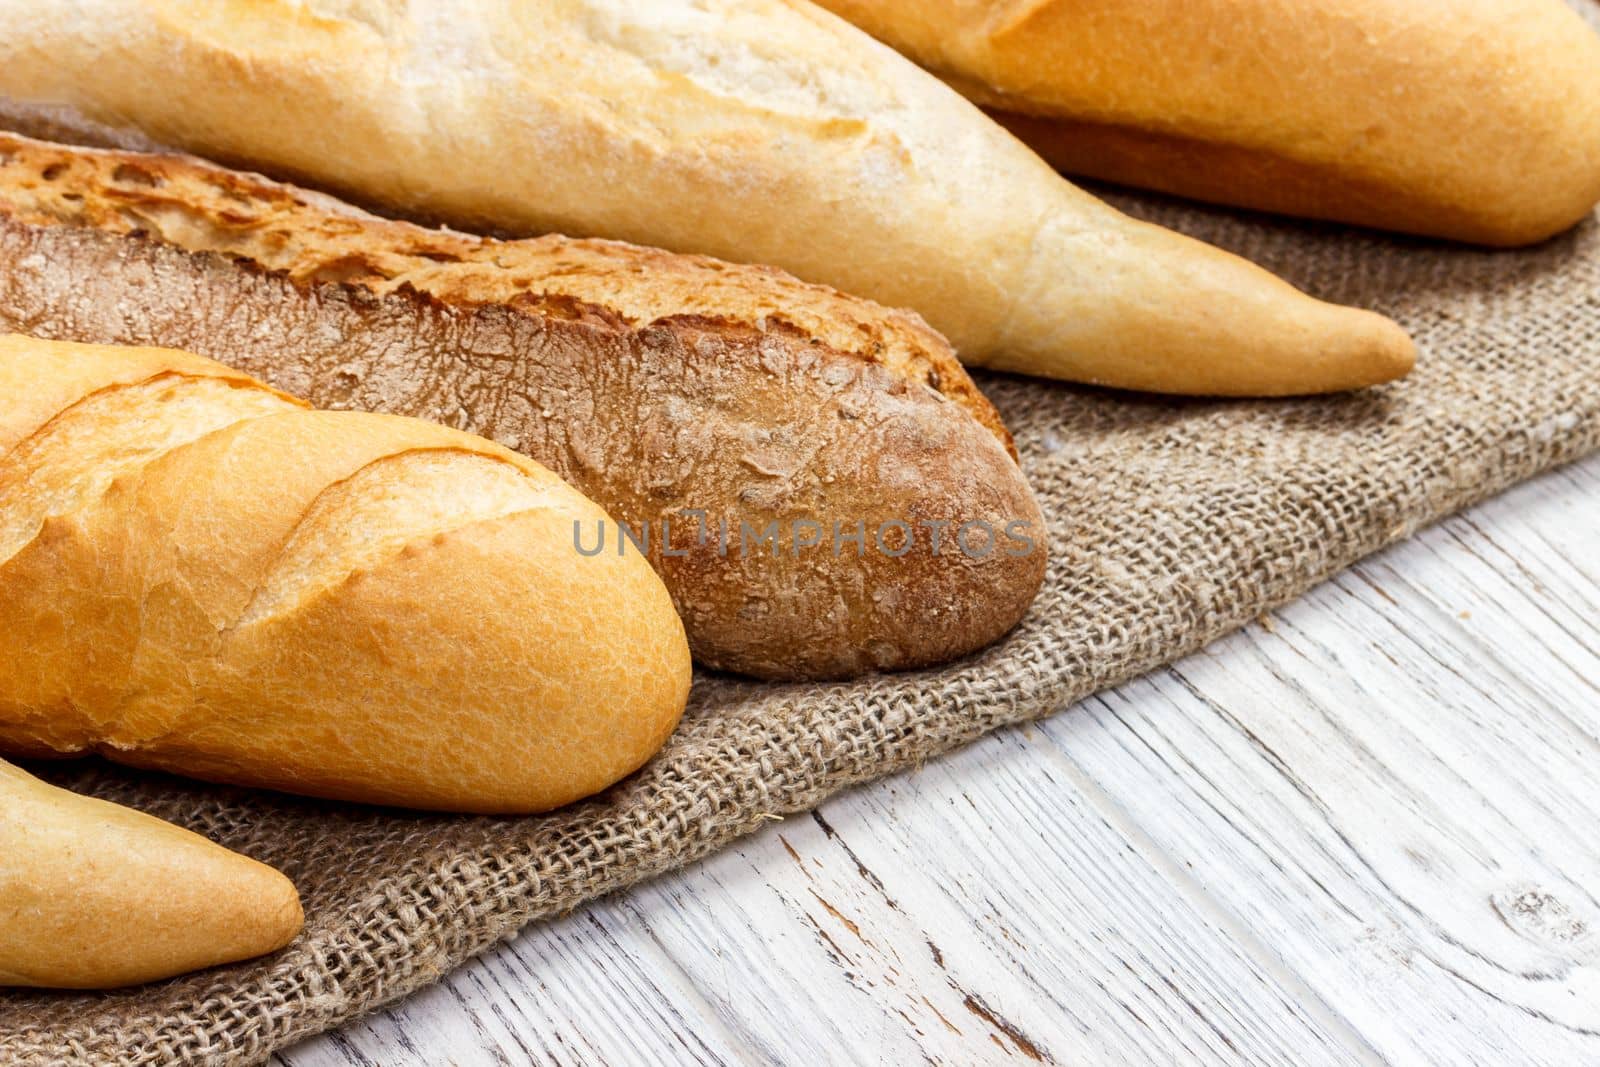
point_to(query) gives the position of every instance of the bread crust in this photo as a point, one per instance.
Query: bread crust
(753, 130)
(200, 575)
(95, 896)
(1476, 120)
(660, 385)
(314, 238)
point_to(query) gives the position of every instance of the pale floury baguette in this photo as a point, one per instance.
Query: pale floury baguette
(199, 574)
(690, 398)
(94, 895)
(1472, 119)
(758, 131)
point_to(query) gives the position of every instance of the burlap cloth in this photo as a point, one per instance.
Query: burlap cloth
(1172, 523)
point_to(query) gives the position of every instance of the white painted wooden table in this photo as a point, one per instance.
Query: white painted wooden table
(1366, 830)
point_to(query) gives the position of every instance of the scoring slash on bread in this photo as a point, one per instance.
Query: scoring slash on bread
(754, 130)
(94, 895)
(1477, 120)
(200, 574)
(659, 385)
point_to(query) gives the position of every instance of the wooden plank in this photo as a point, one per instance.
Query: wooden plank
(927, 919)
(1395, 785)
(827, 939)
(1364, 834)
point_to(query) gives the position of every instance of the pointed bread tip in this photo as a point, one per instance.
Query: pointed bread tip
(103, 896)
(1133, 306)
(1381, 352)
(270, 914)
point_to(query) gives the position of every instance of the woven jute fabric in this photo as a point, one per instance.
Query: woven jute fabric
(1172, 522)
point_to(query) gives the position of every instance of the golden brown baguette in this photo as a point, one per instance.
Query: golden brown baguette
(199, 574)
(1477, 120)
(762, 131)
(659, 385)
(94, 895)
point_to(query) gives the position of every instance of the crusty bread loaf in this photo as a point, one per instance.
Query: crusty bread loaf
(761, 131)
(199, 574)
(660, 385)
(94, 895)
(1471, 119)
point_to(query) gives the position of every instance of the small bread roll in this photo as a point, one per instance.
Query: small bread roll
(94, 895)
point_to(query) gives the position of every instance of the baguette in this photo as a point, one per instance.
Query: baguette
(94, 895)
(660, 385)
(762, 131)
(199, 574)
(1477, 120)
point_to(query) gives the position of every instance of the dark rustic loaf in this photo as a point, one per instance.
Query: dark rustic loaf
(662, 386)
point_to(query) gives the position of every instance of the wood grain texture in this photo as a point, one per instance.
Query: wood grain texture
(1362, 831)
